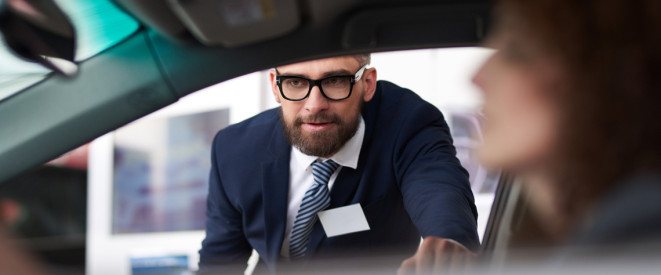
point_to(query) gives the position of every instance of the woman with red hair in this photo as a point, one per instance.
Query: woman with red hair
(572, 97)
(572, 100)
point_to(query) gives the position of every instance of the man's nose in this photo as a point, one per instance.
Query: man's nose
(316, 102)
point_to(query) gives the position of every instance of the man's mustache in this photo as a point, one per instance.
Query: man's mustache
(318, 118)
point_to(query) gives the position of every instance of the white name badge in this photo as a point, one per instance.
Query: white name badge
(343, 220)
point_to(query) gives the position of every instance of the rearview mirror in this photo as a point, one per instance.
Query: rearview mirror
(39, 31)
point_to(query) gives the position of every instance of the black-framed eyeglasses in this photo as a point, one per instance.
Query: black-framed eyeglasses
(336, 87)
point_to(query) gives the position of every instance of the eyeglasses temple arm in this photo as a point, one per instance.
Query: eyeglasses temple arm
(359, 73)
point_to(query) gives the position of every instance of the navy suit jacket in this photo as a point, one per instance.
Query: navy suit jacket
(408, 182)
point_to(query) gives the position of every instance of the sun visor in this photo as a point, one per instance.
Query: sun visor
(233, 23)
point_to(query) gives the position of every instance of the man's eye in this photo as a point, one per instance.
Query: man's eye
(336, 81)
(295, 83)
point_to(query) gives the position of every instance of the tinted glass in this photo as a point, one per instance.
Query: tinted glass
(99, 24)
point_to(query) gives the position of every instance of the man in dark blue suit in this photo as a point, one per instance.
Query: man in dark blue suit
(281, 181)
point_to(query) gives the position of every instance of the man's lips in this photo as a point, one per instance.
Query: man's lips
(317, 126)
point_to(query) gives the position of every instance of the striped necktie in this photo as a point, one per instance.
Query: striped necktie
(317, 198)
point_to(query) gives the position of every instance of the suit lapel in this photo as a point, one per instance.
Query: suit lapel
(275, 186)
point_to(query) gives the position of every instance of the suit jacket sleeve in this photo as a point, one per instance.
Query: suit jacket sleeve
(434, 185)
(225, 247)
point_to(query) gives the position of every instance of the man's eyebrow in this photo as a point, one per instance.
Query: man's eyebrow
(337, 72)
(326, 74)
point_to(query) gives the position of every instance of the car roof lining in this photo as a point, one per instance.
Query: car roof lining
(173, 20)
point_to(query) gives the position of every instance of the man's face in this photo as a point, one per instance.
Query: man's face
(316, 125)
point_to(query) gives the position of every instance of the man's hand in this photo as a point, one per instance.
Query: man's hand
(437, 255)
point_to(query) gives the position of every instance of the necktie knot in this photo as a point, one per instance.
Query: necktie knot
(322, 171)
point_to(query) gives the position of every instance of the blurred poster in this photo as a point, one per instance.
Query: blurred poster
(467, 134)
(160, 173)
(160, 265)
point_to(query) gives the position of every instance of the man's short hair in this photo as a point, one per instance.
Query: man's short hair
(363, 59)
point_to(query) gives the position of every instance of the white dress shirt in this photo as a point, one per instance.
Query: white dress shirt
(300, 176)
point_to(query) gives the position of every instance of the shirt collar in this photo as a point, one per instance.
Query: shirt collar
(347, 155)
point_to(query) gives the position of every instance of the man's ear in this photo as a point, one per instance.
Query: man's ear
(370, 84)
(274, 86)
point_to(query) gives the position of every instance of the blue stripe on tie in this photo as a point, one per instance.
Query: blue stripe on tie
(316, 198)
(312, 202)
(313, 209)
(323, 172)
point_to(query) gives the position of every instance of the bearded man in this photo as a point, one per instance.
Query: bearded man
(346, 167)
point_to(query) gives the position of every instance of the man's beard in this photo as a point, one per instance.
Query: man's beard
(321, 144)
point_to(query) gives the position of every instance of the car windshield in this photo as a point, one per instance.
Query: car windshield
(99, 24)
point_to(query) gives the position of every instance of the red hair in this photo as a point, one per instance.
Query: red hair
(610, 52)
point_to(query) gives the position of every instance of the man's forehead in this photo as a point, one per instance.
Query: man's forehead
(345, 64)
